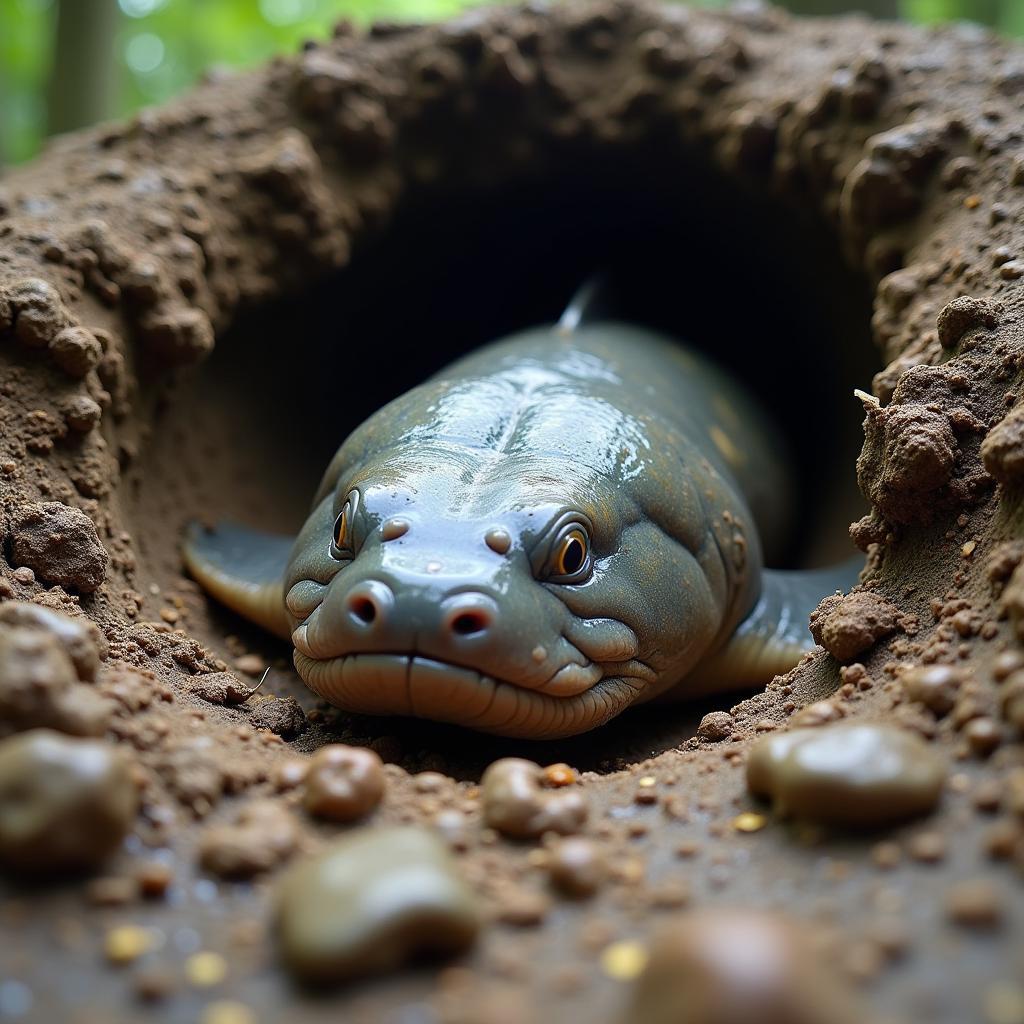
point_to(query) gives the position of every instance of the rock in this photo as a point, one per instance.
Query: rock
(39, 687)
(370, 901)
(60, 544)
(847, 773)
(281, 715)
(516, 803)
(576, 866)
(735, 967)
(65, 804)
(263, 835)
(81, 639)
(976, 903)
(716, 725)
(1003, 449)
(343, 783)
(822, 712)
(934, 686)
(849, 625)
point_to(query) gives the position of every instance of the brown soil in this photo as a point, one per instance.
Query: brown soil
(194, 307)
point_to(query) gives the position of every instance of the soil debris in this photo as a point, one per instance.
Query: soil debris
(60, 544)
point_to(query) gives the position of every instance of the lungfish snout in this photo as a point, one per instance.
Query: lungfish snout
(389, 616)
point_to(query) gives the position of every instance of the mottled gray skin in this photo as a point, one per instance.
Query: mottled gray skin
(446, 602)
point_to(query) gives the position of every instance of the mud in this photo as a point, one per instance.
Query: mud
(196, 304)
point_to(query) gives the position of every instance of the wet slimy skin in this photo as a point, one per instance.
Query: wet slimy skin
(552, 529)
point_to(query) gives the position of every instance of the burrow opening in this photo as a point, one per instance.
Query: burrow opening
(758, 284)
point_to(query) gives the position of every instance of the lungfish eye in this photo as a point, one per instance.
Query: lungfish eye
(571, 553)
(342, 528)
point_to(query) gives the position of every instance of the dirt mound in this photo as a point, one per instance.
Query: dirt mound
(186, 301)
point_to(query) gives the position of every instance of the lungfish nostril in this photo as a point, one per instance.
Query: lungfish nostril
(468, 615)
(369, 602)
(364, 609)
(469, 623)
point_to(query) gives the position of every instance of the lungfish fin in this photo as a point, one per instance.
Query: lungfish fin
(243, 569)
(775, 635)
(591, 304)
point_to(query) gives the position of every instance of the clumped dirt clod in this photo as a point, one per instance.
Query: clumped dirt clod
(59, 543)
(263, 835)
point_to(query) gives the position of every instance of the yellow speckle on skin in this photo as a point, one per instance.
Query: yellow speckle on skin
(968, 549)
(126, 943)
(624, 961)
(647, 782)
(206, 969)
(749, 821)
(227, 1011)
(724, 444)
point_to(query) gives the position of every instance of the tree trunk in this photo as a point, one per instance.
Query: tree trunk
(85, 65)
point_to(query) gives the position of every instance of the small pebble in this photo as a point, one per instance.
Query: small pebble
(976, 903)
(153, 984)
(343, 783)
(126, 943)
(927, 847)
(720, 966)
(154, 878)
(715, 726)
(748, 821)
(522, 907)
(516, 803)
(65, 803)
(983, 736)
(1004, 1003)
(204, 969)
(556, 775)
(288, 774)
(576, 866)
(228, 1011)
(371, 900)
(934, 686)
(847, 773)
(251, 664)
(624, 961)
(111, 892)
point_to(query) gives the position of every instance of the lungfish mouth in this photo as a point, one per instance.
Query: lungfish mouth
(409, 684)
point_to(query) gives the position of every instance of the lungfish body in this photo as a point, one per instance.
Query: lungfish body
(560, 525)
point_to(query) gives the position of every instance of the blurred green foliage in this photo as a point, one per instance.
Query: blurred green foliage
(162, 46)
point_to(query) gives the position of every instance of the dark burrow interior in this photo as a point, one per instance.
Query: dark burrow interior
(757, 284)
